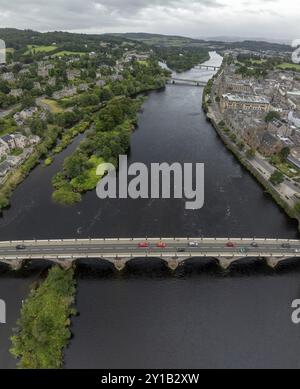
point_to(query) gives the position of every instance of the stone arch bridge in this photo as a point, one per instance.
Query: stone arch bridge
(174, 251)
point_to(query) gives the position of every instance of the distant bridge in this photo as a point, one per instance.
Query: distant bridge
(182, 81)
(207, 67)
(173, 251)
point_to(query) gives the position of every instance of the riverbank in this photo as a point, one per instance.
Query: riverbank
(44, 327)
(18, 175)
(212, 117)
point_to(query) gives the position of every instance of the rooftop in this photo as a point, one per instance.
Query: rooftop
(246, 99)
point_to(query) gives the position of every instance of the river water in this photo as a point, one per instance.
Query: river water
(147, 317)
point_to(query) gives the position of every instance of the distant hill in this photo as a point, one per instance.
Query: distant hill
(158, 39)
(177, 41)
(18, 39)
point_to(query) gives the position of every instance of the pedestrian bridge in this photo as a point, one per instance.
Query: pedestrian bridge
(173, 251)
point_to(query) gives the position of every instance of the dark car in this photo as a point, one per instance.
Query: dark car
(286, 246)
(181, 250)
(254, 244)
(21, 247)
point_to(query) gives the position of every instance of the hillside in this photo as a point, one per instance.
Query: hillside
(179, 41)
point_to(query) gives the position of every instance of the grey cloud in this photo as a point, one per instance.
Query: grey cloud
(186, 17)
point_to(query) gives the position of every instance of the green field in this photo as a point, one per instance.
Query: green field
(289, 66)
(258, 61)
(145, 63)
(40, 49)
(68, 53)
(53, 105)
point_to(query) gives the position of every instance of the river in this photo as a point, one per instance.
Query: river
(146, 316)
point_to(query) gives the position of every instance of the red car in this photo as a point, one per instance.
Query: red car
(143, 245)
(230, 245)
(161, 245)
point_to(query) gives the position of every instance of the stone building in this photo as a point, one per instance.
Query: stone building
(270, 144)
(279, 127)
(245, 103)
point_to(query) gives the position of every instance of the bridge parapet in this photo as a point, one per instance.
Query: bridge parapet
(120, 251)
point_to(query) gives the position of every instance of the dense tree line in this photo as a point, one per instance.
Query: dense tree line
(181, 59)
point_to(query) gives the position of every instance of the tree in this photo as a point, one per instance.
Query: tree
(277, 178)
(241, 146)
(297, 207)
(4, 88)
(75, 165)
(271, 116)
(285, 152)
(250, 153)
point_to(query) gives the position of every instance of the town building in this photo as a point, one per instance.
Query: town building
(101, 83)
(65, 92)
(21, 117)
(294, 157)
(245, 102)
(4, 168)
(8, 76)
(270, 144)
(83, 88)
(9, 141)
(4, 148)
(73, 74)
(16, 92)
(21, 141)
(279, 127)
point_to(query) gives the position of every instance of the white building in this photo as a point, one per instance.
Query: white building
(4, 169)
(20, 140)
(9, 141)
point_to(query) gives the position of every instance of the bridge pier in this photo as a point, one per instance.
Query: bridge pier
(119, 263)
(16, 264)
(66, 265)
(273, 262)
(172, 263)
(226, 262)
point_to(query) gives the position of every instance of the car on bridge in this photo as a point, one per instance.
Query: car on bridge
(143, 245)
(230, 245)
(286, 246)
(254, 245)
(161, 245)
(20, 247)
(193, 244)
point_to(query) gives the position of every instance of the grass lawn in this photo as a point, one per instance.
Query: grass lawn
(289, 66)
(258, 61)
(40, 49)
(144, 63)
(16, 152)
(53, 105)
(288, 169)
(90, 179)
(68, 53)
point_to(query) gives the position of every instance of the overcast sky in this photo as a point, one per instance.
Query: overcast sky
(273, 19)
